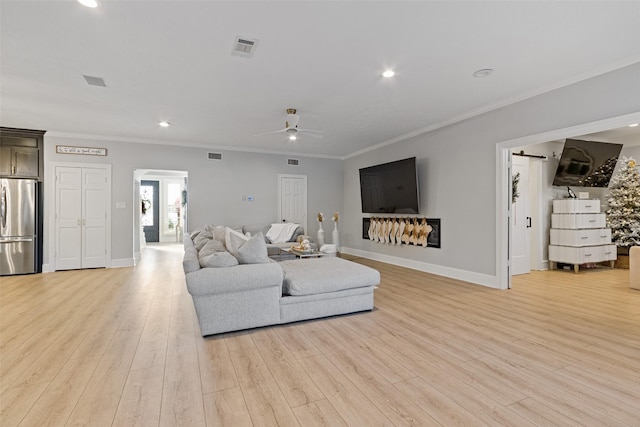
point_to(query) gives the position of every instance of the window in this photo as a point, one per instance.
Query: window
(174, 204)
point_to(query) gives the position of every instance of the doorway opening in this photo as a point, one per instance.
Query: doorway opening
(504, 188)
(161, 198)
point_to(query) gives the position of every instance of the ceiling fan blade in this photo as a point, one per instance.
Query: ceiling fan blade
(269, 133)
(313, 133)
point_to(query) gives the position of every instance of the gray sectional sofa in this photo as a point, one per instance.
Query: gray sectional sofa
(251, 295)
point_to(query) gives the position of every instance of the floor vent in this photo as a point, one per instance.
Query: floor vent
(294, 162)
(94, 81)
(214, 156)
(244, 47)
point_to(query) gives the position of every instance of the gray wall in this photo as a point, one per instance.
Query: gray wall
(457, 169)
(215, 187)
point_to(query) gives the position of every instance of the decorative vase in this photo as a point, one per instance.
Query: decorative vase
(320, 236)
(336, 237)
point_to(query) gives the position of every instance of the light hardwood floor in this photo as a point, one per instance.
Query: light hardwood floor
(121, 347)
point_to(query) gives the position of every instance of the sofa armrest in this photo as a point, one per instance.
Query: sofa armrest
(209, 281)
(190, 262)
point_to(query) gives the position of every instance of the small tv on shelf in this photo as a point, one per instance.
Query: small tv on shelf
(390, 188)
(586, 163)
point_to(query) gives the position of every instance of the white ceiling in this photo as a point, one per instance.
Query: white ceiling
(171, 60)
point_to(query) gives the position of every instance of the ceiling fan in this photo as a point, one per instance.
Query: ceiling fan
(291, 127)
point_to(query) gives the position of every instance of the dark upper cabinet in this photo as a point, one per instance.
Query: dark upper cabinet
(21, 153)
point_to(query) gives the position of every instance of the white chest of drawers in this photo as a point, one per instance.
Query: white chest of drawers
(578, 234)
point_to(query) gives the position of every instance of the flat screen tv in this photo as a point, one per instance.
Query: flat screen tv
(390, 188)
(586, 163)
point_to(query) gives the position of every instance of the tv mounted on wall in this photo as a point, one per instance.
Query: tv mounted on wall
(586, 163)
(390, 188)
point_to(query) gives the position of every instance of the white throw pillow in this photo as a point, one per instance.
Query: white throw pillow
(201, 239)
(233, 240)
(253, 251)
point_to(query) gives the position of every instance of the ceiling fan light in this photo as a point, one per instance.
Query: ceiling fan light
(292, 137)
(388, 73)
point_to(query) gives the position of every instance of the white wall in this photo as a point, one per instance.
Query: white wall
(215, 187)
(457, 172)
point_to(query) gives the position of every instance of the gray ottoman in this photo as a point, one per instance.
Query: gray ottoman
(322, 287)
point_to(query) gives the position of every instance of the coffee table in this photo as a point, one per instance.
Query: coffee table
(311, 254)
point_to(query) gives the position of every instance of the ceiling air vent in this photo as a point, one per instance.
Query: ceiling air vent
(294, 162)
(244, 47)
(214, 156)
(94, 81)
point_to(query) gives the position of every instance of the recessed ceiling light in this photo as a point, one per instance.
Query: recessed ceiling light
(483, 72)
(633, 125)
(388, 73)
(164, 124)
(292, 138)
(89, 3)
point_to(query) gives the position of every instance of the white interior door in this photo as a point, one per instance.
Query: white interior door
(68, 218)
(521, 219)
(94, 213)
(81, 218)
(293, 199)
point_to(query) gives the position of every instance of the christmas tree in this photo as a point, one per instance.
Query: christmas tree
(623, 214)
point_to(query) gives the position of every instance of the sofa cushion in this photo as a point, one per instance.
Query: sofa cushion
(201, 239)
(253, 251)
(326, 274)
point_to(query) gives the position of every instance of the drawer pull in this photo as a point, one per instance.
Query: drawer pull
(587, 206)
(604, 237)
(592, 220)
(584, 237)
(607, 253)
(588, 254)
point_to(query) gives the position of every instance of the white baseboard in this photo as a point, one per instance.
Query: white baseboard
(47, 268)
(124, 262)
(453, 273)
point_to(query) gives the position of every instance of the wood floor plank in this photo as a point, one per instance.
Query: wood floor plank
(54, 406)
(266, 403)
(16, 402)
(216, 369)
(141, 398)
(227, 408)
(380, 392)
(295, 384)
(182, 402)
(349, 402)
(319, 414)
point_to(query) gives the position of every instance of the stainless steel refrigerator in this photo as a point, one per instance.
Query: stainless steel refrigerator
(18, 235)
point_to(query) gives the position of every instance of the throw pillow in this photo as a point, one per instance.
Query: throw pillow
(219, 232)
(211, 247)
(195, 232)
(233, 240)
(218, 260)
(253, 251)
(201, 239)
